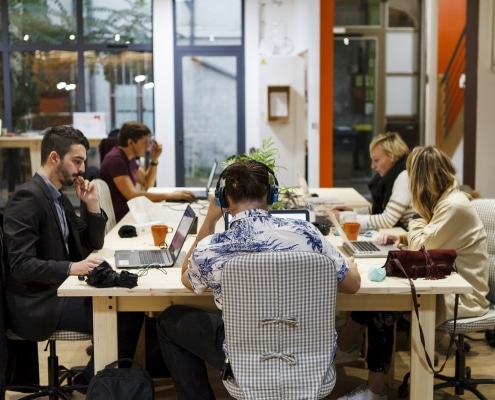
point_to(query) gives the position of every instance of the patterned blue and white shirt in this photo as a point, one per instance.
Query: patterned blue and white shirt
(255, 231)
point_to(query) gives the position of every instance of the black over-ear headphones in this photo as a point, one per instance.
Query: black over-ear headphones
(222, 201)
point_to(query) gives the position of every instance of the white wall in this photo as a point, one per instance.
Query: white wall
(485, 142)
(301, 36)
(289, 138)
(163, 71)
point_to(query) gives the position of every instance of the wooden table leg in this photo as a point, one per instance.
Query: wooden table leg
(421, 382)
(105, 334)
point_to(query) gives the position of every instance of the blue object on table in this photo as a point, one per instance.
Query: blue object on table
(376, 274)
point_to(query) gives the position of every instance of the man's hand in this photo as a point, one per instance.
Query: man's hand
(214, 214)
(84, 267)
(185, 195)
(86, 192)
(156, 151)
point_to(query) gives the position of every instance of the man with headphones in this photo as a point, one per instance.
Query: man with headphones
(188, 336)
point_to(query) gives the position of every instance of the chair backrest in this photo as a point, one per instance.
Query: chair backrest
(106, 203)
(106, 145)
(279, 315)
(486, 211)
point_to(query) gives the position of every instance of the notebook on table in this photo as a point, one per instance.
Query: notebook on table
(202, 194)
(361, 248)
(293, 213)
(161, 257)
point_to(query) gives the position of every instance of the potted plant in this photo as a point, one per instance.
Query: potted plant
(267, 153)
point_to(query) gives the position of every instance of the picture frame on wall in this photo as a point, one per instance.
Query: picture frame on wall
(278, 103)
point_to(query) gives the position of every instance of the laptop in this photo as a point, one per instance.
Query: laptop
(361, 248)
(158, 258)
(292, 213)
(203, 194)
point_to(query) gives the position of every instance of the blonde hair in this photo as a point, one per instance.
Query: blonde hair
(392, 144)
(431, 173)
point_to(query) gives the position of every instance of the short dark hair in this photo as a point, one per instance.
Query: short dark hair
(133, 130)
(247, 180)
(60, 139)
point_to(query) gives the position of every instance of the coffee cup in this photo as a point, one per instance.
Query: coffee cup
(347, 216)
(351, 230)
(159, 233)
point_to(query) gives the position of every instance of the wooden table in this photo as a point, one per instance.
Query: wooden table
(33, 143)
(156, 291)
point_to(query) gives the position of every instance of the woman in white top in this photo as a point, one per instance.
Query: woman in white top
(390, 196)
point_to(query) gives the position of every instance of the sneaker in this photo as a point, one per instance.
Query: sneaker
(344, 357)
(363, 393)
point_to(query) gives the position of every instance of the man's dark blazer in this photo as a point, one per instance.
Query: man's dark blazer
(38, 261)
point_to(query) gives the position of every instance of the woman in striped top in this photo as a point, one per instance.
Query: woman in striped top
(390, 196)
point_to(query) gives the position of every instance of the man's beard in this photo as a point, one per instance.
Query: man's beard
(66, 178)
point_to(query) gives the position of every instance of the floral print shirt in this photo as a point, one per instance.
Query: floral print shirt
(255, 231)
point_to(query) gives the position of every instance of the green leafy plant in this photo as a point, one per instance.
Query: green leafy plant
(268, 154)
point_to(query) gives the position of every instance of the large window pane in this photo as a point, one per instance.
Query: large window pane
(210, 114)
(121, 85)
(35, 21)
(403, 14)
(357, 13)
(117, 21)
(208, 22)
(402, 95)
(402, 56)
(43, 89)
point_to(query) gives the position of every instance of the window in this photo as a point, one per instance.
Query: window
(53, 72)
(209, 78)
(208, 22)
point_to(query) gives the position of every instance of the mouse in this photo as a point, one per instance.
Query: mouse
(314, 195)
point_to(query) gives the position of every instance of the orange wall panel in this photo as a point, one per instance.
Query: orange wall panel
(326, 92)
(451, 22)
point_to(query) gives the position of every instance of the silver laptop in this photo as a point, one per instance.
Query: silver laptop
(292, 213)
(203, 194)
(361, 248)
(157, 258)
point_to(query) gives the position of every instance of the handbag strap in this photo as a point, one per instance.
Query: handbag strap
(432, 271)
(421, 334)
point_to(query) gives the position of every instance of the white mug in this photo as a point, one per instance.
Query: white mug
(348, 216)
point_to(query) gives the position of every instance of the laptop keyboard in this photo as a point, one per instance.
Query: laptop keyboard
(365, 246)
(147, 257)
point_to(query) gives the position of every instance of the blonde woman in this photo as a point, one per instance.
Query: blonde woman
(445, 220)
(390, 197)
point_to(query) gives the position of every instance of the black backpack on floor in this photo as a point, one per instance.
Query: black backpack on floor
(121, 383)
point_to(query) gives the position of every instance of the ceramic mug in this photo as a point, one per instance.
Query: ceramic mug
(159, 233)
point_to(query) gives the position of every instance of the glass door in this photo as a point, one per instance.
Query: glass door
(209, 84)
(354, 109)
(208, 115)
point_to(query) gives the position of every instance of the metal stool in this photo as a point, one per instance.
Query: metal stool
(56, 374)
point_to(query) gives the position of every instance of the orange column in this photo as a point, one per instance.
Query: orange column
(326, 92)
